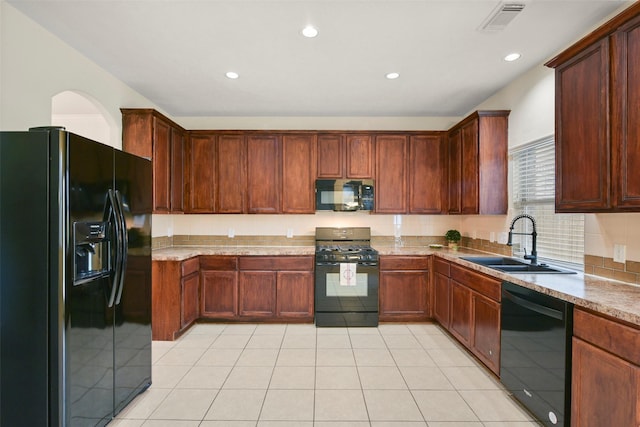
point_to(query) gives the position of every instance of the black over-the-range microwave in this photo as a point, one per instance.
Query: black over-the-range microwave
(344, 195)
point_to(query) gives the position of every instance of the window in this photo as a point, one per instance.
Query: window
(560, 236)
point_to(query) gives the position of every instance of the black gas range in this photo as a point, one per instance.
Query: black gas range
(346, 277)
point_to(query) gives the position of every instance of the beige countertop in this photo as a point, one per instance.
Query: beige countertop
(617, 299)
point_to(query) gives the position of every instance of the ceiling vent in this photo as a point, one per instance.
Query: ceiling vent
(501, 16)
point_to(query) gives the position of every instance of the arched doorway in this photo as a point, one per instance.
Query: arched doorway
(82, 114)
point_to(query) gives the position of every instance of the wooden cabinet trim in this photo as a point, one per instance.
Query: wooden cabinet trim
(608, 334)
(484, 285)
(276, 263)
(191, 265)
(441, 266)
(396, 262)
(218, 262)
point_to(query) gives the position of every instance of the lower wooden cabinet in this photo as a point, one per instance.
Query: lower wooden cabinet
(174, 297)
(404, 288)
(257, 287)
(276, 287)
(605, 372)
(441, 293)
(467, 304)
(219, 287)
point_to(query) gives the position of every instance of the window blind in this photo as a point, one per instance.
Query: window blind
(560, 236)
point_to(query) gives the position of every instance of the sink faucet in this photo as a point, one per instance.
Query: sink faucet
(534, 254)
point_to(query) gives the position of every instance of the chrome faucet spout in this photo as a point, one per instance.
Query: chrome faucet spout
(534, 253)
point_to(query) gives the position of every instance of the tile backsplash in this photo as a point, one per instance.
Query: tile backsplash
(606, 267)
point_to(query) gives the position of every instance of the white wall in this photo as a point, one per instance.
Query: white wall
(35, 66)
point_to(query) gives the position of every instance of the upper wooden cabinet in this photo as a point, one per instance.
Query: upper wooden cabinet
(264, 177)
(298, 173)
(427, 181)
(410, 173)
(201, 184)
(391, 176)
(478, 164)
(231, 173)
(345, 155)
(598, 119)
(147, 133)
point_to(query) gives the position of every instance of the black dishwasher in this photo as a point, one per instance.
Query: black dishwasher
(535, 355)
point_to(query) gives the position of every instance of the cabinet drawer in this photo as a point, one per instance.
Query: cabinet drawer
(404, 263)
(480, 283)
(219, 263)
(276, 263)
(608, 334)
(442, 267)
(190, 266)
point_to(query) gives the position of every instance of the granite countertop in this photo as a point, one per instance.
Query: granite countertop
(181, 253)
(617, 299)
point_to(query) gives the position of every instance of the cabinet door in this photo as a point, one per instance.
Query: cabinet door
(441, 299)
(330, 156)
(219, 294)
(201, 179)
(604, 388)
(294, 294)
(177, 170)
(427, 182)
(359, 152)
(461, 312)
(403, 295)
(582, 131)
(263, 174)
(626, 116)
(257, 293)
(231, 174)
(455, 172)
(298, 173)
(161, 166)
(190, 302)
(486, 331)
(470, 171)
(391, 176)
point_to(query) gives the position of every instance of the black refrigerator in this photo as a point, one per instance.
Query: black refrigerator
(75, 279)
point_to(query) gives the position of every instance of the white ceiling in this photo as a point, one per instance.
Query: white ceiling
(176, 52)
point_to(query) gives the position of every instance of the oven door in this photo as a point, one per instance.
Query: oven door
(352, 289)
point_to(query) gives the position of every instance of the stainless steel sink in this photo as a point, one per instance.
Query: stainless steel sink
(515, 266)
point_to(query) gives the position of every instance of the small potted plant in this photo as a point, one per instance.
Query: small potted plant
(453, 238)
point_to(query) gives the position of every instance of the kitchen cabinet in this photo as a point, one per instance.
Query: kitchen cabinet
(330, 156)
(231, 173)
(475, 313)
(149, 134)
(175, 297)
(427, 179)
(219, 287)
(478, 163)
(441, 291)
(345, 155)
(404, 288)
(201, 166)
(391, 174)
(298, 173)
(264, 176)
(605, 384)
(597, 116)
(279, 288)
(359, 156)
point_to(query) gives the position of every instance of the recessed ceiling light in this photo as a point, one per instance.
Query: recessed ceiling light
(512, 57)
(309, 31)
(392, 76)
(232, 75)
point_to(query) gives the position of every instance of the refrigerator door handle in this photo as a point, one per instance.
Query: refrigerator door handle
(111, 212)
(124, 245)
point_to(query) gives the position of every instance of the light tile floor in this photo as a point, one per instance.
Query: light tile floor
(275, 375)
